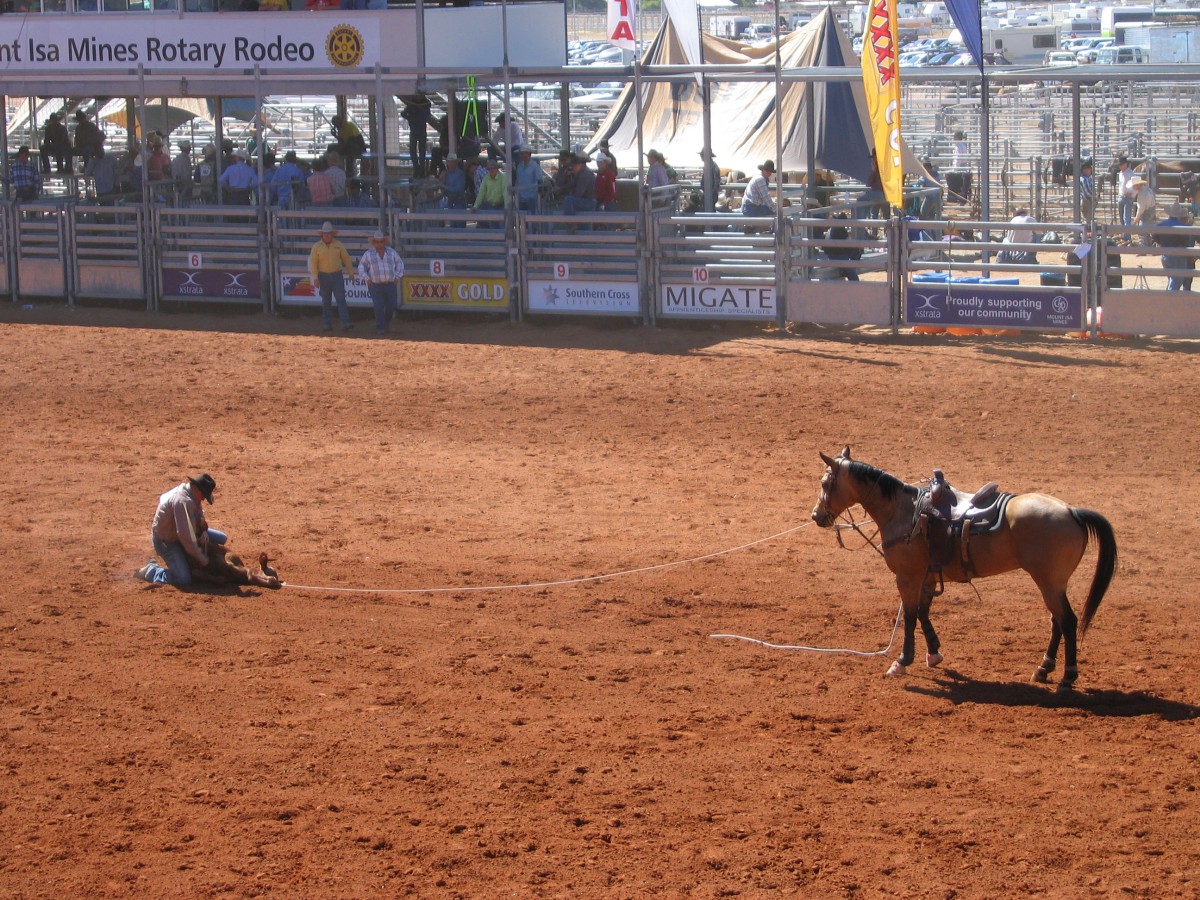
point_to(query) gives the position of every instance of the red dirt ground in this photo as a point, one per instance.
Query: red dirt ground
(584, 740)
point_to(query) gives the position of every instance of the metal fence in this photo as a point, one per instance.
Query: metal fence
(959, 276)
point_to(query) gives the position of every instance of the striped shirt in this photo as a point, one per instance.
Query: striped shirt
(375, 268)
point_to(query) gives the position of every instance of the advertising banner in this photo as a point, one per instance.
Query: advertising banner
(489, 294)
(212, 284)
(600, 297)
(216, 44)
(993, 306)
(718, 301)
(299, 290)
(621, 14)
(881, 78)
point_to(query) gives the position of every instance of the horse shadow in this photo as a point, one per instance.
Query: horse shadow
(959, 689)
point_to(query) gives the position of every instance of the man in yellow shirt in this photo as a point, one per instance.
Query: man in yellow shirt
(327, 263)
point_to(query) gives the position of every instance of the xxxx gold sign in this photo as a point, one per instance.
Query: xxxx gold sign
(455, 293)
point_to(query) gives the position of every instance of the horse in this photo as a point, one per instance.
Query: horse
(1035, 532)
(226, 567)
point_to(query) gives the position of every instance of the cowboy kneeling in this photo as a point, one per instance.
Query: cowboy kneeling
(179, 531)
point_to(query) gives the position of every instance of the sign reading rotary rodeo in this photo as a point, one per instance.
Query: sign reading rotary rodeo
(167, 43)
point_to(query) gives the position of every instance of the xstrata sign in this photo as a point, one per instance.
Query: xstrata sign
(43, 44)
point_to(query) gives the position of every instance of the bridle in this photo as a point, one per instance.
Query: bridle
(850, 523)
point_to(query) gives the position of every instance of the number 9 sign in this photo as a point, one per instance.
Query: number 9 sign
(562, 271)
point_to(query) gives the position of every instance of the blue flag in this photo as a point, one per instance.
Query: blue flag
(965, 14)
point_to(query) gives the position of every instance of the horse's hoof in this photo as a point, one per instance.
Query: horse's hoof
(1065, 687)
(896, 670)
(1041, 676)
(933, 660)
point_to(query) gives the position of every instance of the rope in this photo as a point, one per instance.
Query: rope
(842, 650)
(545, 584)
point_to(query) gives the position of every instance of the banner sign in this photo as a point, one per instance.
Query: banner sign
(233, 44)
(620, 23)
(881, 79)
(212, 284)
(719, 301)
(604, 297)
(454, 293)
(299, 290)
(993, 306)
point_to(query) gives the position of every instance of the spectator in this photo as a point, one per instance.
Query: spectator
(1021, 234)
(493, 190)
(56, 145)
(929, 205)
(328, 261)
(583, 188)
(181, 170)
(320, 188)
(239, 181)
(606, 183)
(839, 234)
(351, 144)
(105, 179)
(1146, 205)
(287, 181)
(958, 151)
(205, 174)
(563, 175)
(336, 175)
(529, 179)
(87, 137)
(158, 164)
(612, 160)
(1178, 216)
(476, 172)
(382, 269)
(1126, 193)
(507, 134)
(657, 175)
(757, 200)
(1087, 192)
(25, 177)
(416, 112)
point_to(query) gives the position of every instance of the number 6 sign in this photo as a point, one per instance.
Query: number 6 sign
(195, 260)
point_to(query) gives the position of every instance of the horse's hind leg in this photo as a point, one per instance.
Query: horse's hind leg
(1065, 627)
(1050, 660)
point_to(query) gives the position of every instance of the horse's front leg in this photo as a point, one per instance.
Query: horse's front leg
(910, 596)
(932, 642)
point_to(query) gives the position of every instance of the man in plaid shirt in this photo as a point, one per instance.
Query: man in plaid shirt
(24, 177)
(382, 268)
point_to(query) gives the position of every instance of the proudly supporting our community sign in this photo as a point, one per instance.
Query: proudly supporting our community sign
(36, 44)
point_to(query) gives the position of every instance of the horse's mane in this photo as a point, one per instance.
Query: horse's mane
(888, 484)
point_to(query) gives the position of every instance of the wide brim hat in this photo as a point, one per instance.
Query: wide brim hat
(379, 236)
(768, 165)
(1177, 211)
(327, 228)
(204, 484)
(1138, 180)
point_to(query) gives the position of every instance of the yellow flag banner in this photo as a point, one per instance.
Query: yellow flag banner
(881, 78)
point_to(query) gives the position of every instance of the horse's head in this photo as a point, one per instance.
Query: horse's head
(834, 498)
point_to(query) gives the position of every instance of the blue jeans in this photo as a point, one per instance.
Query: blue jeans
(333, 287)
(756, 209)
(177, 572)
(1125, 208)
(384, 299)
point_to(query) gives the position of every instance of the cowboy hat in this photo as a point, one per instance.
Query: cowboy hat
(1177, 211)
(327, 228)
(768, 165)
(379, 236)
(204, 484)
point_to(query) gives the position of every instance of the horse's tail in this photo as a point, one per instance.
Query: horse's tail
(1106, 563)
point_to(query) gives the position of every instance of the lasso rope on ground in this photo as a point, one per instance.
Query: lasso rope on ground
(537, 585)
(842, 650)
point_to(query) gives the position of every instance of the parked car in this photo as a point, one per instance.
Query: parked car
(962, 59)
(1120, 56)
(1060, 58)
(1088, 54)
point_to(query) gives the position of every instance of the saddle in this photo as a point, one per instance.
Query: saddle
(949, 518)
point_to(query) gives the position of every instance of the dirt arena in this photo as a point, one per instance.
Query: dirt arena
(353, 736)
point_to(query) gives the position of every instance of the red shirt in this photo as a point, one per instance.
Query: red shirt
(606, 186)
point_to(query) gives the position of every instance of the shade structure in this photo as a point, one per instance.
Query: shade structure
(158, 115)
(743, 112)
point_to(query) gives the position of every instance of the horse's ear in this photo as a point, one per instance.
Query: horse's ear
(845, 452)
(832, 463)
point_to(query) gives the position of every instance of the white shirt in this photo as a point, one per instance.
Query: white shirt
(1123, 182)
(1020, 235)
